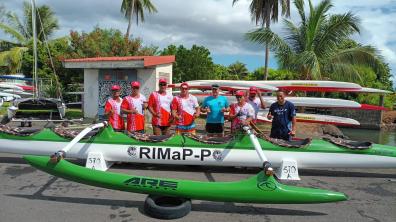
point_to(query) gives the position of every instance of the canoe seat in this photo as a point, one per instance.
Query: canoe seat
(70, 134)
(18, 131)
(149, 138)
(349, 144)
(284, 143)
(210, 140)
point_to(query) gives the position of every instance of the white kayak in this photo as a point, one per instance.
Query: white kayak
(313, 85)
(313, 118)
(10, 86)
(371, 90)
(228, 84)
(315, 102)
(9, 96)
(298, 101)
(22, 93)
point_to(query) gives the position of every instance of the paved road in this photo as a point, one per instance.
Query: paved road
(30, 195)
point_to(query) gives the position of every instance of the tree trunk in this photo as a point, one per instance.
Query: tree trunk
(267, 49)
(130, 19)
(129, 28)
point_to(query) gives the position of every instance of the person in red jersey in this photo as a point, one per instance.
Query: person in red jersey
(159, 105)
(185, 109)
(113, 109)
(241, 112)
(134, 105)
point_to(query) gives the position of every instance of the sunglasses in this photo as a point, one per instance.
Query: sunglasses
(135, 87)
(238, 97)
(162, 84)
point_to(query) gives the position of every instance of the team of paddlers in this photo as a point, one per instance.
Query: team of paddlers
(183, 109)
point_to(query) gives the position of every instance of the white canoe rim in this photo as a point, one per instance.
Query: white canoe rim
(314, 118)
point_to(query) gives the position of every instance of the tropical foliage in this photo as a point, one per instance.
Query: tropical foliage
(314, 48)
(106, 42)
(194, 63)
(262, 12)
(238, 71)
(20, 30)
(98, 43)
(135, 8)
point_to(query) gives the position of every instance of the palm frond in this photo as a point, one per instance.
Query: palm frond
(14, 22)
(316, 19)
(293, 38)
(301, 11)
(309, 61)
(266, 36)
(14, 33)
(285, 8)
(342, 72)
(336, 30)
(360, 55)
(12, 59)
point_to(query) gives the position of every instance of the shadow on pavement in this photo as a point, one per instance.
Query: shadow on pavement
(337, 173)
(201, 207)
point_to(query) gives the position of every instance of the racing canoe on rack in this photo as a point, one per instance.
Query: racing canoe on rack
(313, 118)
(226, 85)
(312, 85)
(256, 189)
(186, 150)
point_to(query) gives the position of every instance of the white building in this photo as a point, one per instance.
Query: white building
(103, 72)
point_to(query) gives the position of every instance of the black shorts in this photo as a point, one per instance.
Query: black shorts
(284, 136)
(214, 127)
(162, 127)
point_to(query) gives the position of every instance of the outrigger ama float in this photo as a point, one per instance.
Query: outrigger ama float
(262, 188)
(101, 146)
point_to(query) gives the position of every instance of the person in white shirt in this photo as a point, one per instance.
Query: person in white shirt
(241, 113)
(256, 101)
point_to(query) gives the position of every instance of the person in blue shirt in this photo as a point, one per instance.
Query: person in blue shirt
(215, 106)
(283, 115)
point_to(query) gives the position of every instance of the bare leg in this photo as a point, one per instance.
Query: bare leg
(165, 130)
(156, 130)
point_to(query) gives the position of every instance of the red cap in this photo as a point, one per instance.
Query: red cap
(253, 89)
(184, 85)
(135, 84)
(115, 87)
(163, 80)
(240, 93)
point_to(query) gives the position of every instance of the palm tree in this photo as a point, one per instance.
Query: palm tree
(238, 70)
(263, 12)
(316, 47)
(131, 8)
(21, 32)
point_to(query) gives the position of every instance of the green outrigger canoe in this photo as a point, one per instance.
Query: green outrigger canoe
(257, 189)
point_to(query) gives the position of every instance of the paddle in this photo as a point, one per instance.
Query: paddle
(57, 156)
(253, 125)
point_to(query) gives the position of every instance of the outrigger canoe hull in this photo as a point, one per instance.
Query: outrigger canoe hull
(186, 151)
(256, 189)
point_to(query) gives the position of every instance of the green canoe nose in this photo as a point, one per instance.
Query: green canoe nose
(256, 189)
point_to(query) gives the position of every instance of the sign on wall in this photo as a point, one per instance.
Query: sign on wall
(108, 78)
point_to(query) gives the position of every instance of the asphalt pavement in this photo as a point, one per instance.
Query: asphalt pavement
(27, 194)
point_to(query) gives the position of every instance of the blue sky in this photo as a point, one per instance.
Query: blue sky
(214, 24)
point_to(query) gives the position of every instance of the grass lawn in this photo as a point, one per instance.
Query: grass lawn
(3, 109)
(70, 113)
